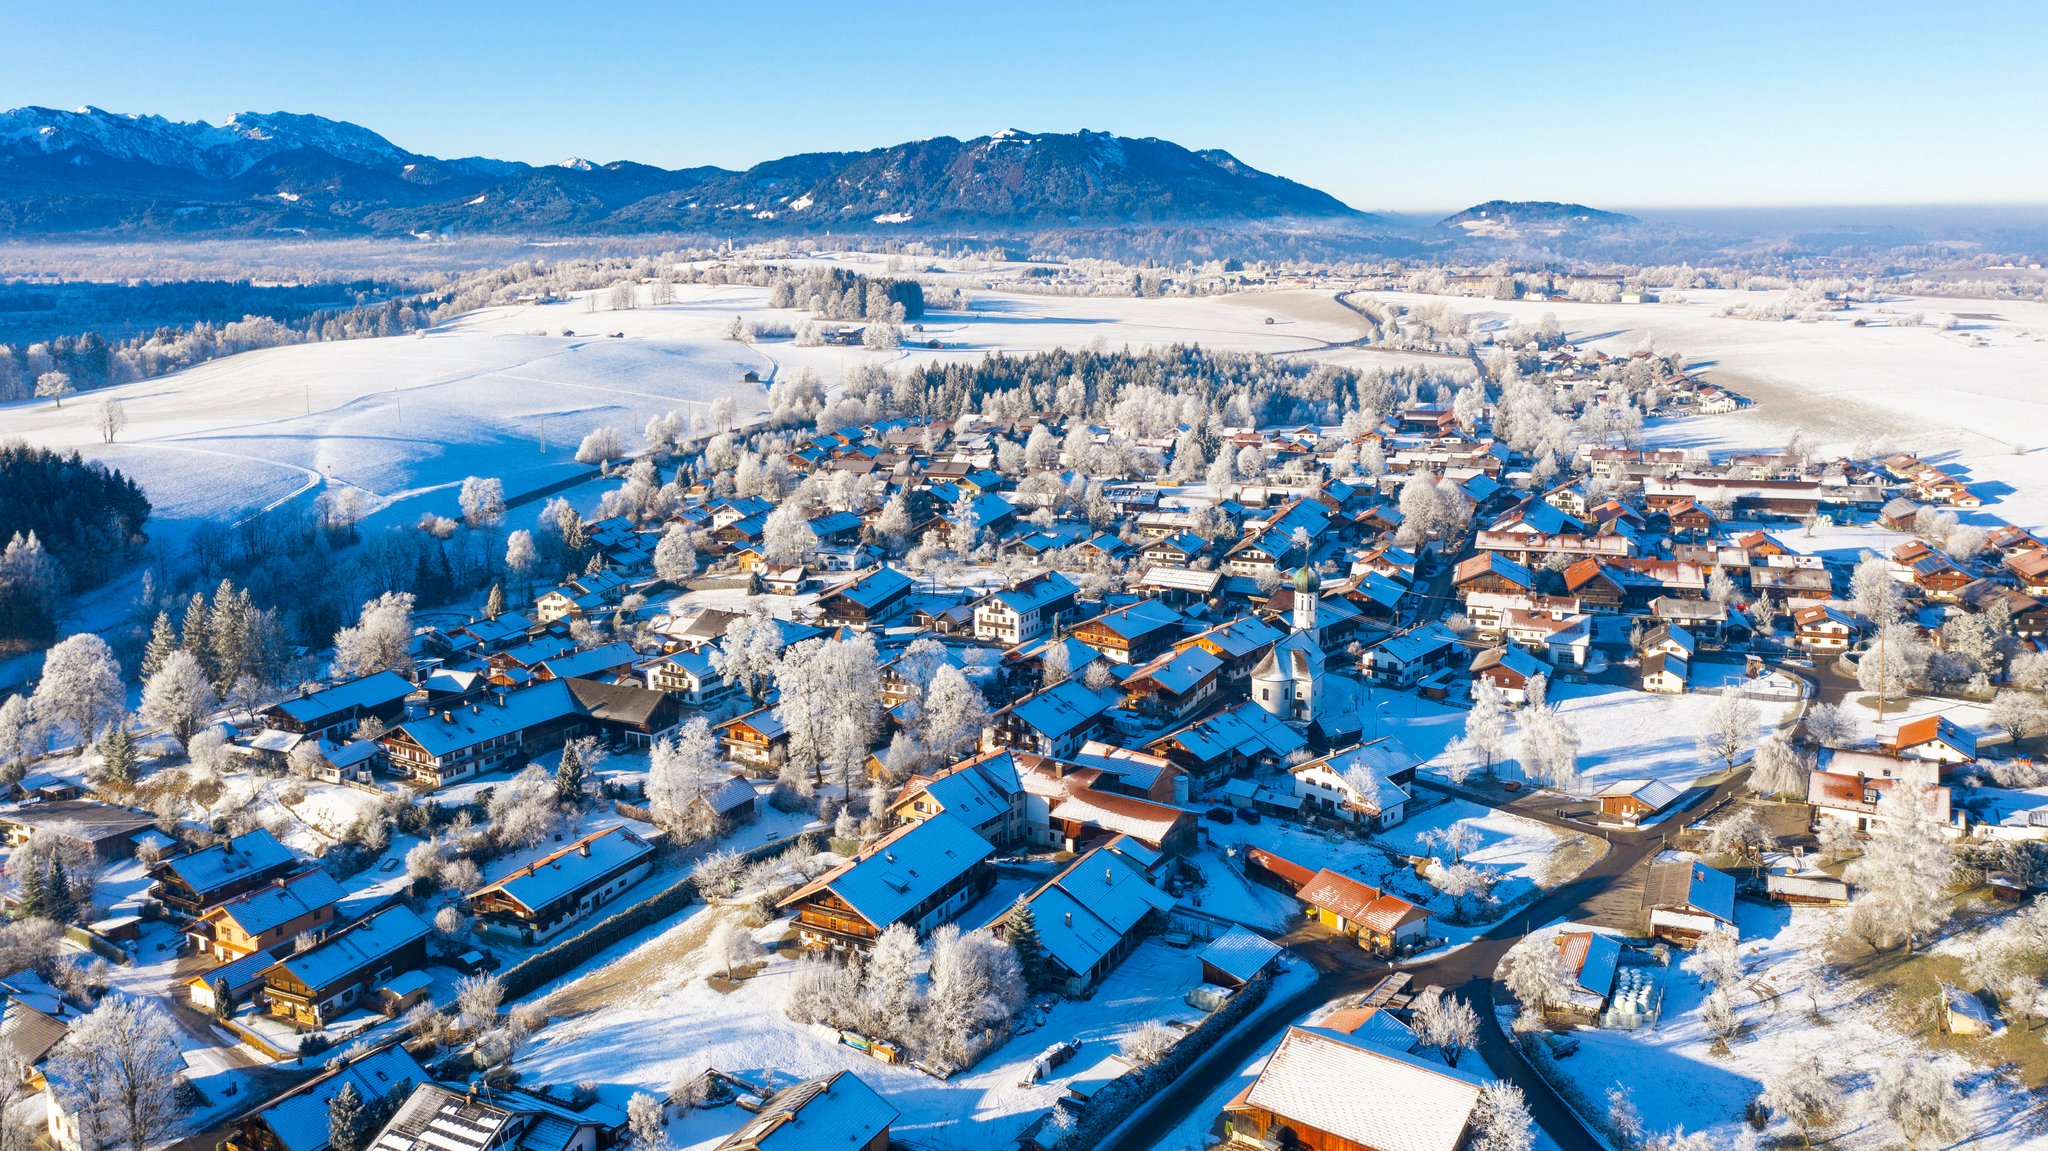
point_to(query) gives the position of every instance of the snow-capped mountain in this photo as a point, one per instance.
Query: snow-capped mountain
(92, 170)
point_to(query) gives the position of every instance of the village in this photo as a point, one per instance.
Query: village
(1078, 763)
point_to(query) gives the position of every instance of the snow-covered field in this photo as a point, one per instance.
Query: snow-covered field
(504, 392)
(1623, 733)
(1967, 398)
(1678, 1080)
(677, 1023)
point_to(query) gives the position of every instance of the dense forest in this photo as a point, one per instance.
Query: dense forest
(66, 524)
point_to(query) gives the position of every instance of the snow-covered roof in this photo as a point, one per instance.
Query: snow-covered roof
(1364, 1093)
(299, 1120)
(900, 871)
(282, 902)
(1656, 793)
(561, 873)
(838, 1112)
(371, 691)
(367, 942)
(1240, 953)
(215, 867)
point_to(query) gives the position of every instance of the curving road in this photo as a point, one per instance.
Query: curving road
(1466, 971)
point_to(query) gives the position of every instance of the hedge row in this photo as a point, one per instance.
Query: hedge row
(1115, 1102)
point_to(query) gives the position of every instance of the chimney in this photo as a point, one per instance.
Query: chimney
(1070, 919)
(583, 849)
(447, 717)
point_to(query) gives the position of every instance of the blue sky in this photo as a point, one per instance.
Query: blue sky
(1410, 107)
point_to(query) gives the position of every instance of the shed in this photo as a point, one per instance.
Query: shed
(1237, 957)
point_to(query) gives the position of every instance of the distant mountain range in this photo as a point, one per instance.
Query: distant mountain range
(258, 173)
(1531, 219)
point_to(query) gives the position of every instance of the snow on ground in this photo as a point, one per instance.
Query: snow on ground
(1967, 398)
(1679, 1080)
(1623, 733)
(680, 1025)
(403, 420)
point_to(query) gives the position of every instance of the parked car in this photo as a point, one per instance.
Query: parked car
(1250, 815)
(1221, 814)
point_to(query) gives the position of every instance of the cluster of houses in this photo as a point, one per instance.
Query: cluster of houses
(1145, 665)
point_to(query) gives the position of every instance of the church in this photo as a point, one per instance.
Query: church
(1292, 682)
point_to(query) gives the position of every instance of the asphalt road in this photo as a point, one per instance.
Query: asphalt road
(1466, 972)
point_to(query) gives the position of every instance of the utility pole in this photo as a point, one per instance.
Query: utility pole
(1880, 676)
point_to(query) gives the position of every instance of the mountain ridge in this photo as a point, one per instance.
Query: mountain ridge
(91, 170)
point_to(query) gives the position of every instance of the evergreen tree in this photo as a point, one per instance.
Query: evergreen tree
(570, 775)
(1022, 930)
(163, 640)
(192, 631)
(223, 1000)
(117, 755)
(227, 635)
(34, 896)
(58, 901)
(495, 605)
(346, 1119)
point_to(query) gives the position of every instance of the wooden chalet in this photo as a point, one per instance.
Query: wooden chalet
(923, 875)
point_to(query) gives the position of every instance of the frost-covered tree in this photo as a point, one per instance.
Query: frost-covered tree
(682, 769)
(889, 982)
(380, 641)
(1873, 592)
(1802, 1096)
(1827, 725)
(647, 1119)
(601, 445)
(1486, 725)
(1549, 747)
(525, 809)
(731, 946)
(1149, 1043)
(1716, 961)
(17, 727)
(1895, 663)
(1728, 728)
(975, 984)
(110, 419)
(54, 386)
(117, 1074)
(1902, 877)
(1624, 1118)
(477, 999)
(1921, 1099)
(80, 686)
(482, 501)
(750, 652)
(1449, 1025)
(1777, 768)
(2014, 712)
(675, 557)
(178, 698)
(786, 537)
(951, 715)
(1500, 1120)
(1536, 980)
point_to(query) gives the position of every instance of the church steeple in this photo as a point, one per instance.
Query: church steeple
(1308, 595)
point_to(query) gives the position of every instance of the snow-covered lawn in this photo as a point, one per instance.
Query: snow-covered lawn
(675, 1023)
(1678, 1079)
(1623, 733)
